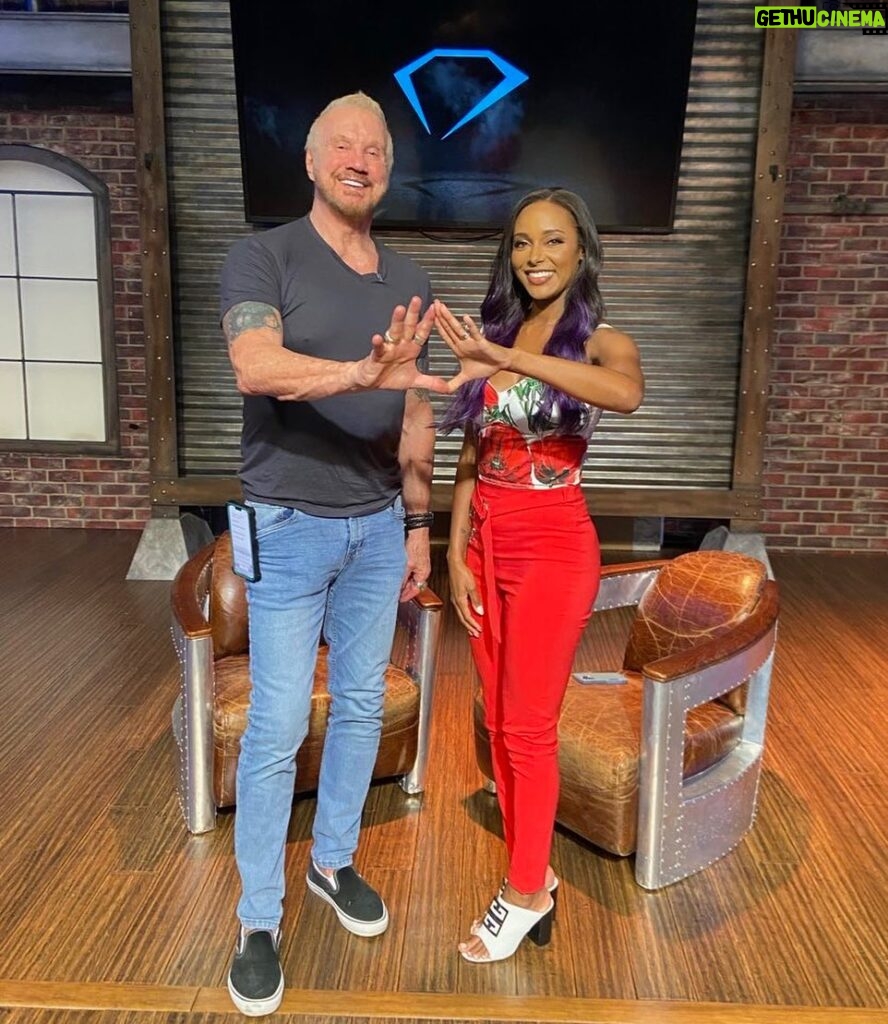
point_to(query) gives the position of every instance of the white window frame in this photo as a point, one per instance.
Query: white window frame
(105, 285)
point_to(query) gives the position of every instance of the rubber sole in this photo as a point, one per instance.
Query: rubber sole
(257, 1007)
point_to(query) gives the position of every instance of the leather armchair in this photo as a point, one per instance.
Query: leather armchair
(667, 764)
(209, 627)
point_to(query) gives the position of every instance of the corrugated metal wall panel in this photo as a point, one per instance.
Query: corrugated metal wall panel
(680, 295)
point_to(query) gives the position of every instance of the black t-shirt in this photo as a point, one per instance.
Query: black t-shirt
(335, 456)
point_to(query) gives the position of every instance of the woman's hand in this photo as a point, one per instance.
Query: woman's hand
(464, 595)
(477, 356)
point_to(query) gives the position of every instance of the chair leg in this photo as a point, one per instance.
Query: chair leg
(411, 783)
(193, 729)
(424, 627)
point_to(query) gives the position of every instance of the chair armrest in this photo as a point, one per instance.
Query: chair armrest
(631, 568)
(710, 653)
(189, 593)
(427, 600)
(623, 584)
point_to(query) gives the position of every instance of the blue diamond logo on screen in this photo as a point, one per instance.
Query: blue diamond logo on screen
(510, 81)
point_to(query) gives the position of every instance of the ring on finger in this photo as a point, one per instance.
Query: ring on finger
(388, 339)
(420, 340)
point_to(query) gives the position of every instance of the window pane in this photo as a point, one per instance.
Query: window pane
(10, 329)
(24, 176)
(12, 401)
(56, 236)
(7, 238)
(61, 320)
(65, 402)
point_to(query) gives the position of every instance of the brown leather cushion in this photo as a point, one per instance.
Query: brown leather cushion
(228, 603)
(599, 745)
(698, 595)
(397, 749)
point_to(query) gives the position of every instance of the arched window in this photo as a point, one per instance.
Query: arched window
(57, 374)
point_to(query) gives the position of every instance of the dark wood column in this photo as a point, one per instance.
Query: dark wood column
(148, 112)
(772, 151)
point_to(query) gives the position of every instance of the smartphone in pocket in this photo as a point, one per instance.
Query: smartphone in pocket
(244, 548)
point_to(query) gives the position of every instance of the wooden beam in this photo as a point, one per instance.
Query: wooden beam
(690, 502)
(772, 154)
(739, 502)
(151, 171)
(390, 1006)
(839, 206)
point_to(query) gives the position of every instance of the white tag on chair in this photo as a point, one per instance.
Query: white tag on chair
(600, 678)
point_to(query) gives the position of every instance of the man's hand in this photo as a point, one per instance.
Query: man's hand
(391, 364)
(477, 356)
(419, 564)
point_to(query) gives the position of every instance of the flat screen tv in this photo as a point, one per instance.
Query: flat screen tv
(485, 99)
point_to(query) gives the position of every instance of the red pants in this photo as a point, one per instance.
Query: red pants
(536, 559)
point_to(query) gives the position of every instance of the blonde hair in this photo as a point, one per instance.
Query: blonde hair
(363, 102)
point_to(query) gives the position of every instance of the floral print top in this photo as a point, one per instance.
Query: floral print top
(512, 454)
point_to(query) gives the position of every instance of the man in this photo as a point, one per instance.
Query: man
(324, 329)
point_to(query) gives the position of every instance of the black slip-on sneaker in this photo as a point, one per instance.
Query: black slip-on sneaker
(256, 981)
(358, 906)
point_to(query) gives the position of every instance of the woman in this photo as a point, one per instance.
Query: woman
(523, 558)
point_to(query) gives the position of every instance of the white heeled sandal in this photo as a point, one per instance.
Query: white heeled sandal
(553, 892)
(504, 926)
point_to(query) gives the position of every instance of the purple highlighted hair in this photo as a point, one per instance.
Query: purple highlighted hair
(507, 303)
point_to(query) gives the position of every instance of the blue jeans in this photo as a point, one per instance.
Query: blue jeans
(342, 575)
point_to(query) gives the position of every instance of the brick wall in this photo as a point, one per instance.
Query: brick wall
(50, 489)
(826, 457)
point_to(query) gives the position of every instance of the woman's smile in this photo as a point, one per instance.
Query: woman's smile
(546, 250)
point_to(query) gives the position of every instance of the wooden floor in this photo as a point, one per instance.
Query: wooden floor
(111, 912)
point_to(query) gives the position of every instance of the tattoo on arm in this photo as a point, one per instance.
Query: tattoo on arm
(247, 316)
(421, 393)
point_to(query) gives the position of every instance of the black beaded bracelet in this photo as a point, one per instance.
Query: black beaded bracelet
(418, 520)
